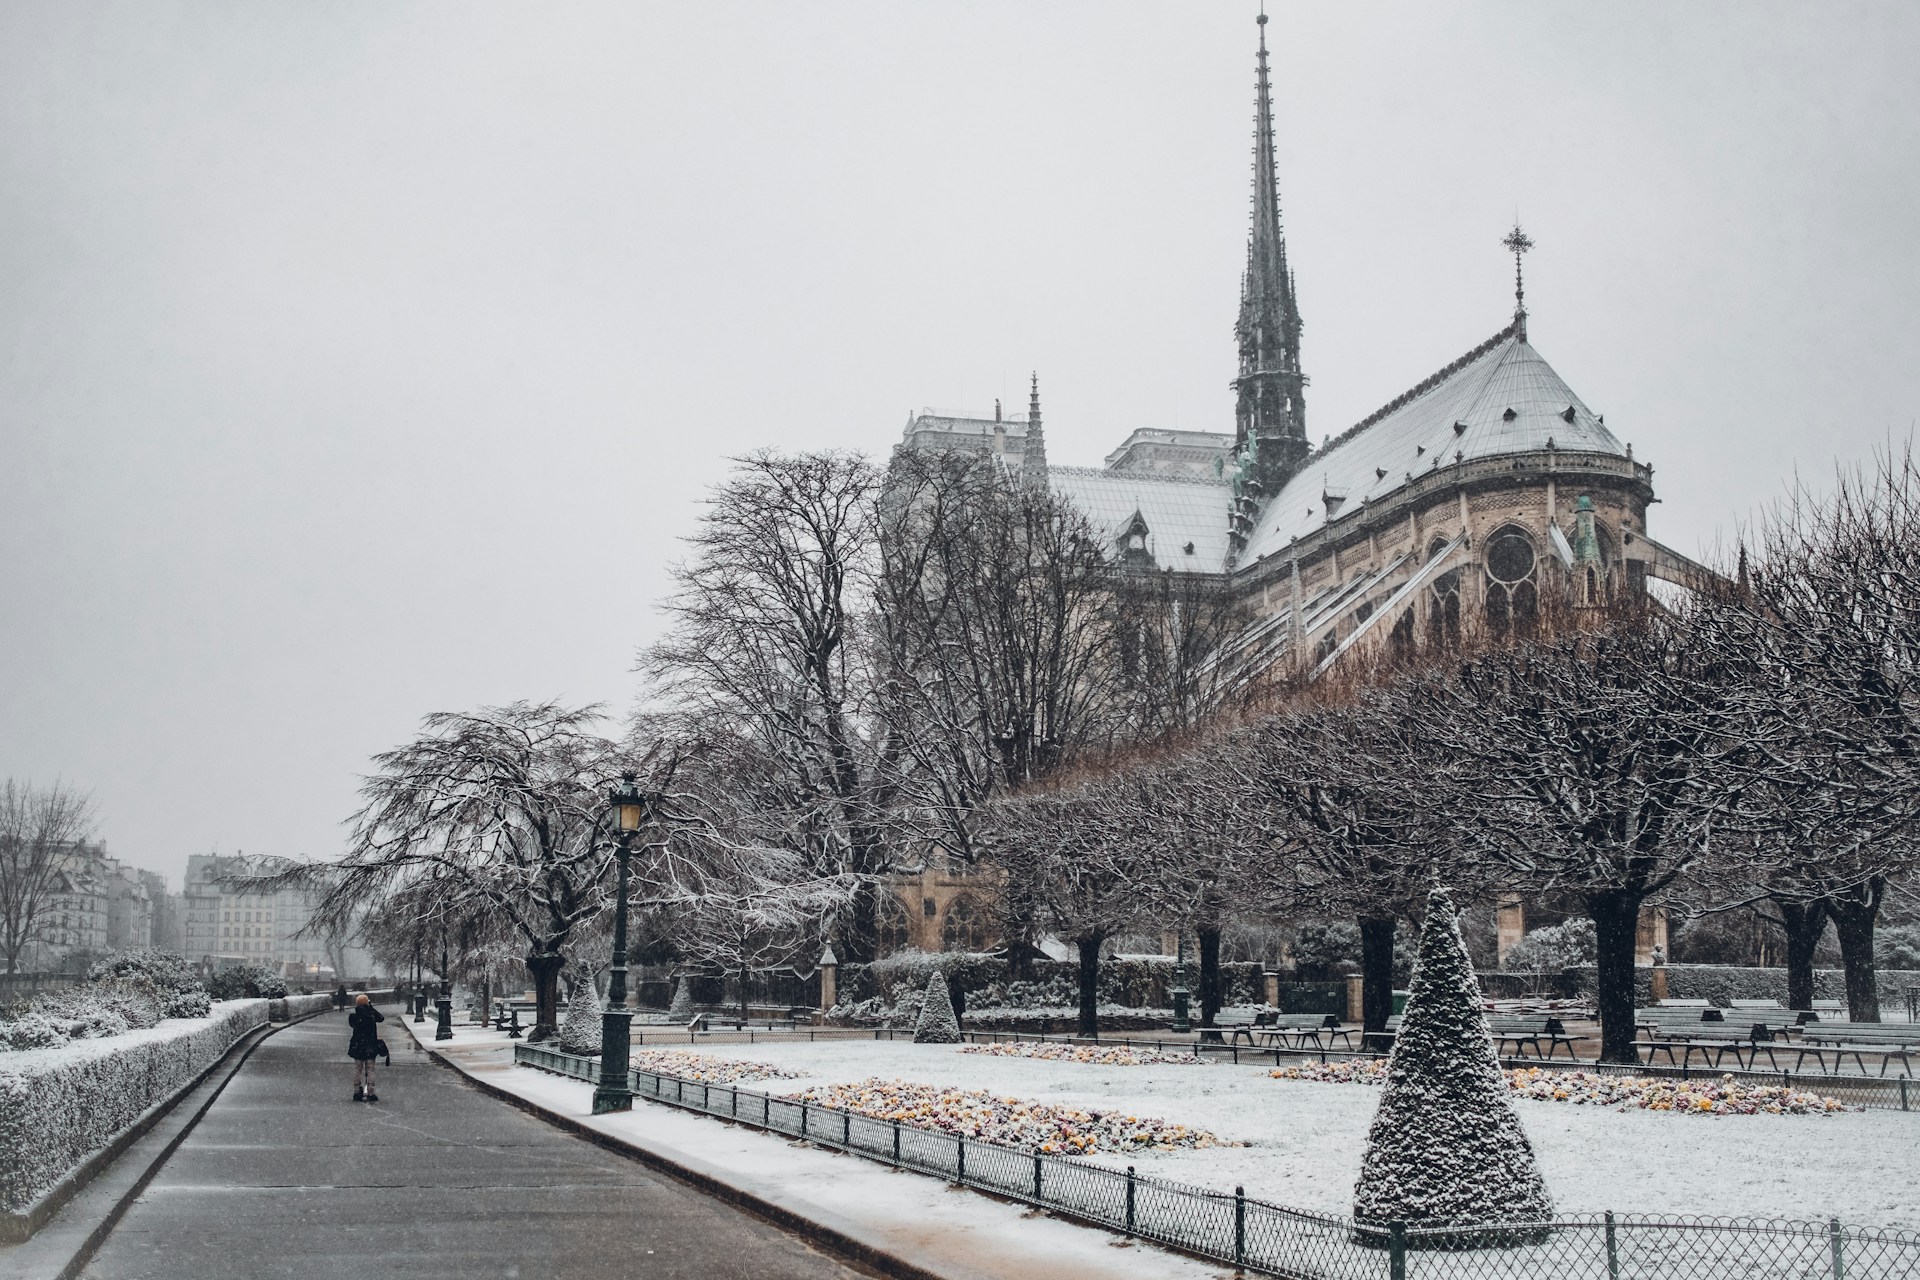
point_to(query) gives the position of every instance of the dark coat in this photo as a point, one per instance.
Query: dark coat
(365, 1045)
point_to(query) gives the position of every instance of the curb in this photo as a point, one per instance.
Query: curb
(44, 1211)
(843, 1242)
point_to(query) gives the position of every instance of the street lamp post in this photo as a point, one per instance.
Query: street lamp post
(419, 990)
(1180, 994)
(630, 808)
(443, 1007)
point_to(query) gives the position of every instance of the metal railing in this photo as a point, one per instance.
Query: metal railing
(1245, 1232)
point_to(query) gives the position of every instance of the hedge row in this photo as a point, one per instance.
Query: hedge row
(58, 1106)
(983, 979)
(287, 1008)
(1724, 983)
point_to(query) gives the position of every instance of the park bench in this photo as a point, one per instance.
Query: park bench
(1298, 1030)
(1665, 1018)
(1233, 1024)
(1520, 1031)
(1856, 1040)
(1713, 1041)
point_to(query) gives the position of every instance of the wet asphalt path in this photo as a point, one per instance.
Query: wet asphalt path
(287, 1176)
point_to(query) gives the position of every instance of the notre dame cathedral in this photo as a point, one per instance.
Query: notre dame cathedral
(1460, 501)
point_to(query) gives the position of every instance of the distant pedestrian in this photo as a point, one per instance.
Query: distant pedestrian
(364, 1047)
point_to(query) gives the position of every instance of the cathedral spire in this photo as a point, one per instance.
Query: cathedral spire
(1270, 429)
(1518, 242)
(1033, 458)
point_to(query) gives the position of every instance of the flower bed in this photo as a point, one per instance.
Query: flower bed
(1721, 1097)
(1010, 1122)
(704, 1068)
(60, 1105)
(1094, 1055)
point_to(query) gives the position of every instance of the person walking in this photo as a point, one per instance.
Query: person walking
(364, 1047)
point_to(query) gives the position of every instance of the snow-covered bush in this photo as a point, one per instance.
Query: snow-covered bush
(1445, 1148)
(580, 1029)
(249, 982)
(166, 970)
(37, 1031)
(60, 1104)
(191, 1003)
(681, 1008)
(1555, 948)
(936, 1024)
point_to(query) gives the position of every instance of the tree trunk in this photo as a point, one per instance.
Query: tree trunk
(1376, 973)
(744, 973)
(1090, 987)
(486, 1000)
(1616, 916)
(1854, 915)
(957, 994)
(1209, 973)
(1804, 923)
(859, 928)
(545, 968)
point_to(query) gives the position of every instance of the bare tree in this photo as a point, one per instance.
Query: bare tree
(39, 830)
(767, 644)
(1595, 760)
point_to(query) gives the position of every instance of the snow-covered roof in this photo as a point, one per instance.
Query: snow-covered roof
(1178, 510)
(1501, 398)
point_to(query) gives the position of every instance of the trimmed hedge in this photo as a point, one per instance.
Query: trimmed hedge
(58, 1106)
(1724, 983)
(287, 1008)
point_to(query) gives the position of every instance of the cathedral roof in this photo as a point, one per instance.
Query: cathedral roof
(1500, 398)
(1180, 511)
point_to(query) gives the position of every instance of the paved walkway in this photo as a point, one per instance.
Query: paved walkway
(287, 1176)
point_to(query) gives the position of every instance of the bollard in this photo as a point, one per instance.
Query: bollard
(1613, 1250)
(1239, 1226)
(1129, 1199)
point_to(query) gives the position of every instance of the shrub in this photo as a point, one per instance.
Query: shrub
(1898, 947)
(1555, 948)
(192, 1003)
(248, 982)
(1445, 1147)
(681, 1007)
(166, 970)
(37, 1031)
(580, 1029)
(936, 1024)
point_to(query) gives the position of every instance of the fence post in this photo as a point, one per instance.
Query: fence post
(1239, 1225)
(1397, 1250)
(846, 1129)
(1839, 1257)
(960, 1158)
(1613, 1250)
(896, 1142)
(1129, 1199)
(1036, 1177)
(736, 1102)
(766, 1111)
(803, 1119)
(1903, 1093)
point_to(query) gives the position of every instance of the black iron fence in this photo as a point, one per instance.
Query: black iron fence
(1245, 1232)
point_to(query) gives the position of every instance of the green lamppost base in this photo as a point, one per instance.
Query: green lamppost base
(614, 1092)
(443, 1018)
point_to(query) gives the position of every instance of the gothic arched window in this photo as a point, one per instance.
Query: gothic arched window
(965, 928)
(891, 924)
(1512, 600)
(1443, 611)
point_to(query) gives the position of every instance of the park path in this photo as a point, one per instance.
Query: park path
(287, 1176)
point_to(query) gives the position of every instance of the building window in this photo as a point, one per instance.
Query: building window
(1512, 600)
(891, 924)
(965, 928)
(1443, 611)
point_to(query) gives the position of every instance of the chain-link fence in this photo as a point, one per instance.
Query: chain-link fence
(1270, 1238)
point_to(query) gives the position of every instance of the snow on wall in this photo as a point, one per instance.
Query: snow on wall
(60, 1105)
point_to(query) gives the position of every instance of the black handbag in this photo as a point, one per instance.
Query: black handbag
(380, 1048)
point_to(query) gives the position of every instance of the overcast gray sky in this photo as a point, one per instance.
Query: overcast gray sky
(362, 360)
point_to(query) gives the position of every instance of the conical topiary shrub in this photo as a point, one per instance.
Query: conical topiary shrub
(580, 1029)
(936, 1024)
(680, 1009)
(1446, 1148)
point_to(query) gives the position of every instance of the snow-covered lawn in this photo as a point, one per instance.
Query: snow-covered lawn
(1305, 1138)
